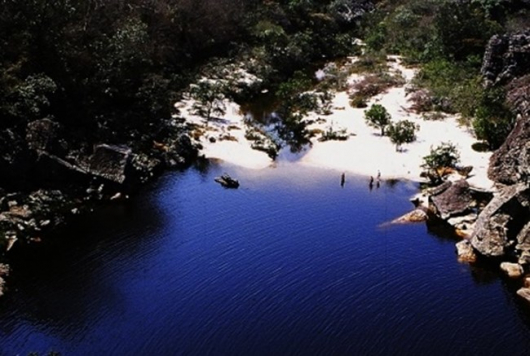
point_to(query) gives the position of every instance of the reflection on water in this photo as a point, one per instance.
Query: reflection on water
(290, 263)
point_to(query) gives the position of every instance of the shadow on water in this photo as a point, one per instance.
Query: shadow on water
(50, 281)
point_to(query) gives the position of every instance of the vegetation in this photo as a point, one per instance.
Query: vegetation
(448, 39)
(209, 99)
(402, 132)
(120, 66)
(377, 117)
(441, 157)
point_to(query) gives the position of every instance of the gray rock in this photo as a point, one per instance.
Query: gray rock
(511, 162)
(110, 162)
(455, 200)
(491, 234)
(506, 57)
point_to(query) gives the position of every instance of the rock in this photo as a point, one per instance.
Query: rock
(507, 61)
(4, 270)
(498, 221)
(510, 164)
(506, 57)
(513, 270)
(527, 281)
(464, 171)
(468, 219)
(439, 189)
(524, 293)
(110, 162)
(518, 95)
(524, 258)
(417, 215)
(53, 170)
(523, 245)
(456, 199)
(465, 252)
(20, 211)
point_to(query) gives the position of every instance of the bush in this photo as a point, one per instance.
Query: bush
(402, 132)
(493, 121)
(377, 117)
(443, 156)
(208, 98)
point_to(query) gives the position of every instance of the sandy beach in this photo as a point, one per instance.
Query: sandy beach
(365, 152)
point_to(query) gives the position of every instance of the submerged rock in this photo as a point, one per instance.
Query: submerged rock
(417, 215)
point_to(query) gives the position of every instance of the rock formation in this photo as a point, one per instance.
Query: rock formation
(502, 226)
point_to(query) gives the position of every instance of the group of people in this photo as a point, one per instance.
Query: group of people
(371, 184)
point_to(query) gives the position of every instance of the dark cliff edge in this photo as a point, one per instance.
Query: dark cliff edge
(502, 229)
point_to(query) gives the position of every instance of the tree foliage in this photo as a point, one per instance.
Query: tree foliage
(402, 132)
(440, 157)
(377, 116)
(209, 99)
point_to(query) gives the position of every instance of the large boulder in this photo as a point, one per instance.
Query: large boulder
(511, 162)
(506, 57)
(454, 200)
(110, 162)
(500, 222)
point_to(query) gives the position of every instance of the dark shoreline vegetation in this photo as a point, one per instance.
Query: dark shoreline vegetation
(87, 88)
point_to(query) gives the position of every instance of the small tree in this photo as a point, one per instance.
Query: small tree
(402, 132)
(377, 117)
(443, 156)
(208, 98)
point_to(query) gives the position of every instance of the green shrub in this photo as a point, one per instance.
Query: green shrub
(443, 156)
(377, 117)
(493, 121)
(402, 132)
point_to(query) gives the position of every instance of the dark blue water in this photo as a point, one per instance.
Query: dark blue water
(289, 264)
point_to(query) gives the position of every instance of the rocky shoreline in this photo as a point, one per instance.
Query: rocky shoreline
(497, 227)
(51, 178)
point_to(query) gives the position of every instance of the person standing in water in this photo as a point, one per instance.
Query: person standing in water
(342, 179)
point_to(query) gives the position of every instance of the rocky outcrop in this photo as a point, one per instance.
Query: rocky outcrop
(502, 227)
(501, 221)
(454, 200)
(465, 252)
(110, 162)
(511, 162)
(507, 57)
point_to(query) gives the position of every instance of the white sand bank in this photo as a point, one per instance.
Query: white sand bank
(366, 152)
